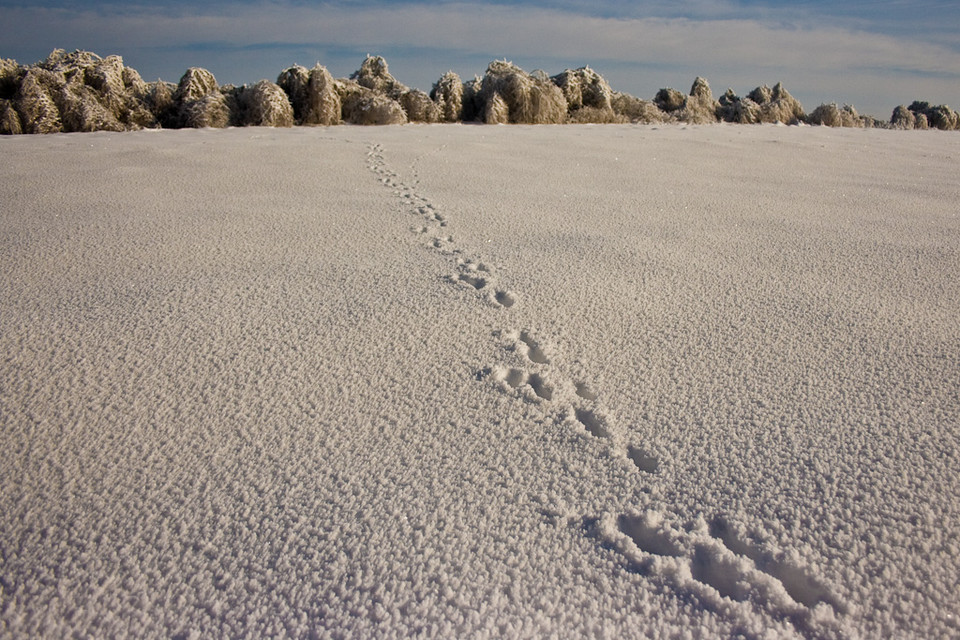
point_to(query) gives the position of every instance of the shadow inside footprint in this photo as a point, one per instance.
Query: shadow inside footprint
(541, 388)
(534, 351)
(515, 378)
(593, 424)
(647, 537)
(505, 299)
(642, 460)
(586, 392)
(802, 587)
(474, 281)
(710, 567)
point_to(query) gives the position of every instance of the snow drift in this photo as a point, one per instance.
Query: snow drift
(463, 381)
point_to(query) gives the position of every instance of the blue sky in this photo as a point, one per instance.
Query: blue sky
(874, 55)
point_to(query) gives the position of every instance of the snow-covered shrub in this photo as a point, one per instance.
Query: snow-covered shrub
(775, 105)
(699, 107)
(831, 115)
(9, 118)
(593, 115)
(584, 87)
(294, 81)
(669, 100)
(374, 74)
(199, 100)
(447, 92)
(11, 74)
(195, 83)
(496, 110)
(529, 99)
(365, 106)
(635, 109)
(733, 108)
(81, 110)
(159, 101)
(472, 104)
(939, 117)
(323, 103)
(35, 103)
(265, 104)
(313, 95)
(419, 107)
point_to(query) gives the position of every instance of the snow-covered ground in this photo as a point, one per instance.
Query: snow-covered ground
(471, 381)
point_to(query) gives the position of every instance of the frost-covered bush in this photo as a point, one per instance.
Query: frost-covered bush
(699, 107)
(669, 100)
(419, 107)
(830, 115)
(473, 107)
(495, 110)
(733, 108)
(293, 81)
(362, 105)
(11, 74)
(374, 74)
(35, 102)
(78, 91)
(199, 100)
(593, 115)
(776, 105)
(196, 83)
(635, 109)
(939, 117)
(210, 111)
(9, 118)
(903, 118)
(159, 101)
(529, 99)
(312, 95)
(264, 104)
(584, 87)
(447, 92)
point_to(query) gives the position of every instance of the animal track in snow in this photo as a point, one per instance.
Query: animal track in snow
(518, 379)
(642, 460)
(649, 536)
(477, 282)
(471, 272)
(444, 244)
(504, 298)
(532, 348)
(801, 586)
(594, 425)
(717, 566)
(585, 391)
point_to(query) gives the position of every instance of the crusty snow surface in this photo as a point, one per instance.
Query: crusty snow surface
(471, 381)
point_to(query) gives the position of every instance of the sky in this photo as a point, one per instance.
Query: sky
(873, 55)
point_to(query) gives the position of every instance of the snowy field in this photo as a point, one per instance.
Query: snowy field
(479, 381)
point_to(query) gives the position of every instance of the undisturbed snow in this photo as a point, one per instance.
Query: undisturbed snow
(480, 382)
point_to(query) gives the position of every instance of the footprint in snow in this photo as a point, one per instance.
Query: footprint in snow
(532, 348)
(519, 379)
(504, 298)
(718, 565)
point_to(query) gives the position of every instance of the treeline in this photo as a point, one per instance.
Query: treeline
(81, 91)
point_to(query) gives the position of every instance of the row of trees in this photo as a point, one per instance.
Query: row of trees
(81, 91)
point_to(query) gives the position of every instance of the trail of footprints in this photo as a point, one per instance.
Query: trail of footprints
(579, 405)
(433, 226)
(715, 562)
